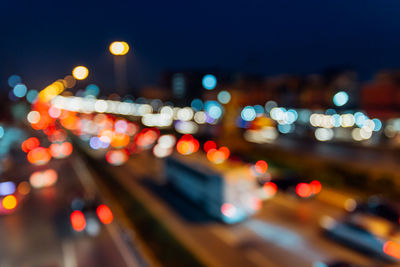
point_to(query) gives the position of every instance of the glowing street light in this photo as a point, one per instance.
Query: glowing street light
(80, 72)
(118, 48)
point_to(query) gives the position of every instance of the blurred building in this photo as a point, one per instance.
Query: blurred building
(184, 86)
(381, 96)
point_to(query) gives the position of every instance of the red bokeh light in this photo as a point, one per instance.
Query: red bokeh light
(29, 144)
(209, 145)
(78, 221)
(261, 166)
(304, 190)
(104, 213)
(316, 187)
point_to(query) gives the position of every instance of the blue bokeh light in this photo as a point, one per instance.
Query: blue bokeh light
(340, 98)
(248, 113)
(20, 90)
(224, 97)
(209, 81)
(92, 89)
(32, 95)
(378, 125)
(197, 104)
(213, 109)
(13, 80)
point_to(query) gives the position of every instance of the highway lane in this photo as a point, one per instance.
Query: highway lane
(284, 233)
(38, 233)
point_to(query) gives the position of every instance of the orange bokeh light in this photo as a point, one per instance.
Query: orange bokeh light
(393, 249)
(39, 156)
(270, 189)
(187, 145)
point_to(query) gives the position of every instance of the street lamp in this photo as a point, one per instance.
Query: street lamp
(119, 49)
(80, 72)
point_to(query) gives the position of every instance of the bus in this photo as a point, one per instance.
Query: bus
(226, 191)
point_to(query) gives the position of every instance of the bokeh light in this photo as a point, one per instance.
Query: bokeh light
(13, 80)
(78, 220)
(119, 48)
(20, 90)
(32, 95)
(224, 97)
(248, 113)
(340, 98)
(104, 213)
(9, 202)
(209, 81)
(80, 72)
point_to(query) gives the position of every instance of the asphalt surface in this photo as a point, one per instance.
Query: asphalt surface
(39, 233)
(285, 232)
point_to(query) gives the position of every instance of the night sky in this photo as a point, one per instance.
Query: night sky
(43, 40)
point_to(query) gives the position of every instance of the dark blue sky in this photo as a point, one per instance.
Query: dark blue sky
(44, 40)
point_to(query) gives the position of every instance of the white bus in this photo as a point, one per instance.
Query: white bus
(226, 191)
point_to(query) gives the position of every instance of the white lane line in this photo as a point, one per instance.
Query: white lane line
(69, 256)
(90, 186)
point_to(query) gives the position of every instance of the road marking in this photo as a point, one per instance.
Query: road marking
(69, 256)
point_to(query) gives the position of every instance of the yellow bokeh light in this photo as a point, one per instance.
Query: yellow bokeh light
(51, 91)
(119, 48)
(80, 72)
(9, 202)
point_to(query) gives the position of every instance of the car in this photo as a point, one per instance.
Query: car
(295, 185)
(87, 215)
(366, 233)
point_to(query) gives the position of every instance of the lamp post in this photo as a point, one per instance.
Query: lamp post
(119, 49)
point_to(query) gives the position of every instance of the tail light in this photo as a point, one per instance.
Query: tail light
(78, 221)
(104, 213)
(303, 190)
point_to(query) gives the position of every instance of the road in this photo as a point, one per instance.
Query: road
(284, 233)
(38, 233)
